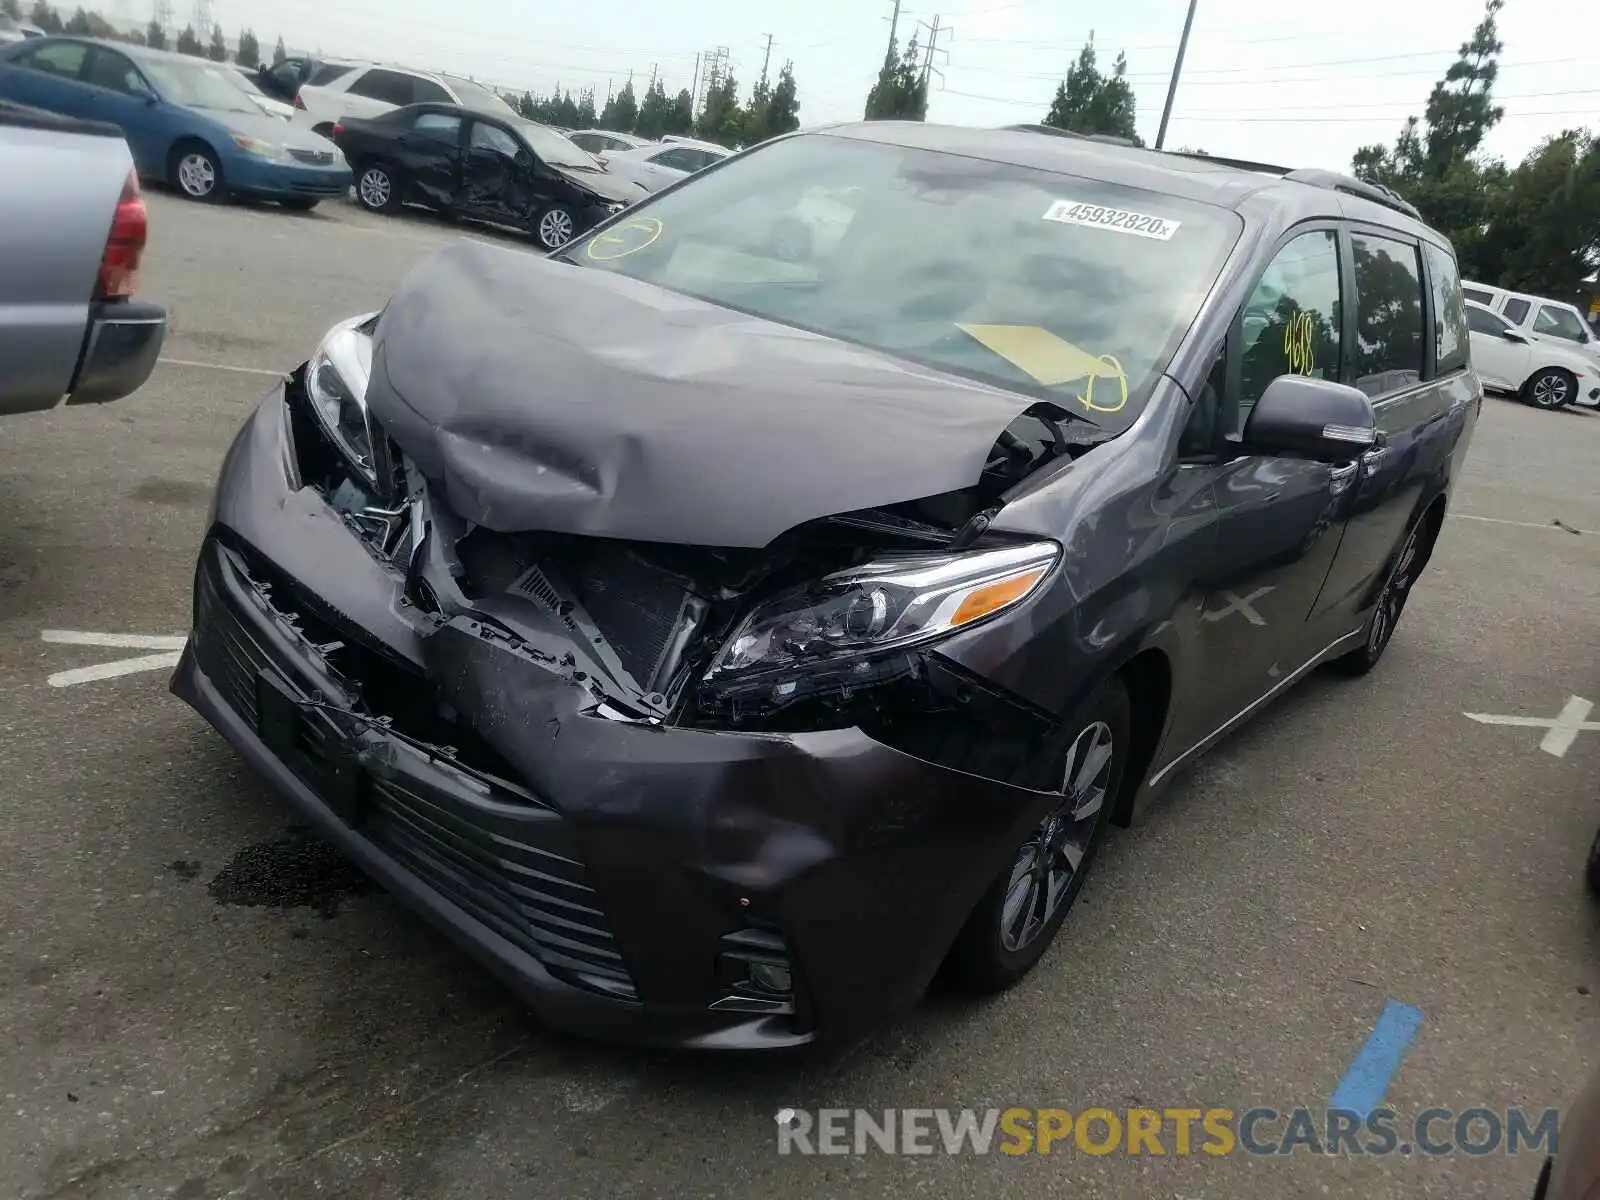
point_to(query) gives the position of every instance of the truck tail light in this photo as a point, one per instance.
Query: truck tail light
(338, 128)
(119, 263)
(299, 103)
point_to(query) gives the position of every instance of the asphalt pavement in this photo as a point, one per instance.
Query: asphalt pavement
(198, 1000)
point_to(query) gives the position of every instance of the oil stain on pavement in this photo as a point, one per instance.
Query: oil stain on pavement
(299, 870)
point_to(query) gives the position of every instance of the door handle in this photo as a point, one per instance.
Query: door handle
(1373, 459)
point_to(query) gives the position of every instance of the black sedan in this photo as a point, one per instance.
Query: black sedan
(721, 633)
(466, 163)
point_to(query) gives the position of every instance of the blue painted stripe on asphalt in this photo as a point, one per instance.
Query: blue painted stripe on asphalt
(1363, 1087)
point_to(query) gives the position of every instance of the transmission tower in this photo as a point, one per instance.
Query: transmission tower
(713, 71)
(162, 15)
(202, 20)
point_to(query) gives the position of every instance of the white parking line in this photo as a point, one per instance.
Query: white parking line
(189, 362)
(1562, 730)
(1523, 524)
(110, 670)
(131, 641)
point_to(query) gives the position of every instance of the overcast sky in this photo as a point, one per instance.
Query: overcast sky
(1295, 84)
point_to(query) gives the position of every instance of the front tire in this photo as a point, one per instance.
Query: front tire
(554, 227)
(1551, 388)
(1391, 603)
(377, 190)
(1019, 916)
(194, 170)
(1592, 872)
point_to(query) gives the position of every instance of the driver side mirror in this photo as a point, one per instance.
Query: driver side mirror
(1311, 418)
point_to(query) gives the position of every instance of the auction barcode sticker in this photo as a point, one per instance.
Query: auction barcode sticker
(1120, 220)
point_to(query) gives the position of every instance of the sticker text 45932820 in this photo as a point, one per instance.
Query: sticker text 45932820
(1118, 220)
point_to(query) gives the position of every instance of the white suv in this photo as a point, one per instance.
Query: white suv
(1541, 318)
(371, 89)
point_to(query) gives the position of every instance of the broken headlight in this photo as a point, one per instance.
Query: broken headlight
(336, 386)
(883, 605)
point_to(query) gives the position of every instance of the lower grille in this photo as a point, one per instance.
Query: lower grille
(492, 850)
(318, 158)
(499, 865)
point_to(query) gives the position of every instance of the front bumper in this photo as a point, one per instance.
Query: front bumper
(616, 874)
(278, 180)
(120, 351)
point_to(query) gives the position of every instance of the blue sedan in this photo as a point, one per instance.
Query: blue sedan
(186, 121)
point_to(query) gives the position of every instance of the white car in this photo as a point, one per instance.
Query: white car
(370, 90)
(246, 78)
(1543, 319)
(1544, 374)
(656, 164)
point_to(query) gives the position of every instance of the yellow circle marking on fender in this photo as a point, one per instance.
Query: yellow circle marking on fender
(623, 240)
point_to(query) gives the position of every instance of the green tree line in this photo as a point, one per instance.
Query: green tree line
(1533, 227)
(1088, 100)
(84, 23)
(772, 108)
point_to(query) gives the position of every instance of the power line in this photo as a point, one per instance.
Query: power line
(1390, 105)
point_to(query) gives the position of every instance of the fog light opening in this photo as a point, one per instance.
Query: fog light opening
(771, 977)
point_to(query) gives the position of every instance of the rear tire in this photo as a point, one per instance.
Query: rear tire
(1018, 917)
(195, 173)
(1592, 871)
(1551, 388)
(1391, 604)
(377, 190)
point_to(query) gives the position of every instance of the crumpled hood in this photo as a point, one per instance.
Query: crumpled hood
(534, 394)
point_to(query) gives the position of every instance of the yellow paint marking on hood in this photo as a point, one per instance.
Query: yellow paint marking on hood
(1048, 358)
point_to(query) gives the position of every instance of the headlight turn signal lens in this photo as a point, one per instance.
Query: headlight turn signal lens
(882, 605)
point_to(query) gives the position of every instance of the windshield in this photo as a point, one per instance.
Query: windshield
(555, 149)
(1069, 289)
(475, 95)
(198, 85)
(241, 77)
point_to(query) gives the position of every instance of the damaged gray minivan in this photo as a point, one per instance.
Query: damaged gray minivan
(763, 605)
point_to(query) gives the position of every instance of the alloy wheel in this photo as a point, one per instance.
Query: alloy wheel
(1043, 872)
(555, 228)
(1551, 390)
(375, 188)
(1393, 599)
(197, 175)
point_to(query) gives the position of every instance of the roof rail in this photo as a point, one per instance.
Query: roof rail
(1110, 139)
(1350, 185)
(1242, 164)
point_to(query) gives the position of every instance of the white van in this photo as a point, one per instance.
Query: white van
(1539, 317)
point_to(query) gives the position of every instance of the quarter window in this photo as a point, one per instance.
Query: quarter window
(1559, 322)
(397, 88)
(1516, 311)
(1290, 325)
(1388, 314)
(1449, 321)
(1477, 296)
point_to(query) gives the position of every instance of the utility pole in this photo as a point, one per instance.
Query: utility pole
(652, 77)
(694, 80)
(1177, 68)
(766, 58)
(894, 27)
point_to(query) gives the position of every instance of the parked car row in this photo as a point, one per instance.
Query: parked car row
(1539, 317)
(188, 122)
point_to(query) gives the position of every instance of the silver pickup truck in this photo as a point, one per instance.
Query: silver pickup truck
(72, 230)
